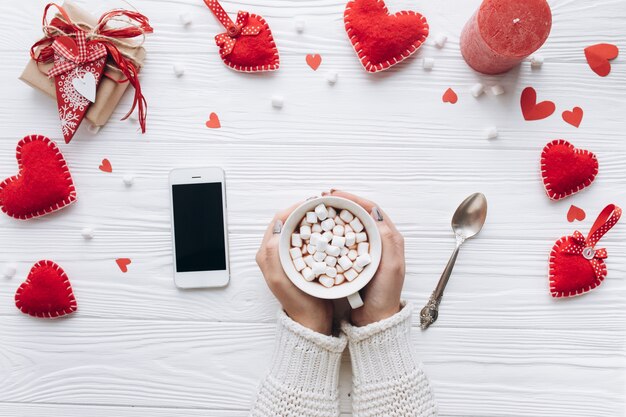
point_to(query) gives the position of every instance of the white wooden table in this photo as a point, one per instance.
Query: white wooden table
(139, 347)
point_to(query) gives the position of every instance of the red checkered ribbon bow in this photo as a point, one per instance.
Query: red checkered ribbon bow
(70, 53)
(585, 246)
(226, 41)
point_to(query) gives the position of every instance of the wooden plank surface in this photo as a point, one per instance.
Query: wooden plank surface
(139, 347)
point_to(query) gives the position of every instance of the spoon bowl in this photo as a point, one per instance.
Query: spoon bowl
(470, 216)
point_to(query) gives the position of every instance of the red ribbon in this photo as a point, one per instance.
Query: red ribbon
(226, 41)
(585, 246)
(61, 27)
(70, 59)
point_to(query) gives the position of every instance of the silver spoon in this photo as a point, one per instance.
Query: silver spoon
(467, 221)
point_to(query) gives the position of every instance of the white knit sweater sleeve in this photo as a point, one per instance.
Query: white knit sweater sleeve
(387, 379)
(303, 375)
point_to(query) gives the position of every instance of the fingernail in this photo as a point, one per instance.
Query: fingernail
(376, 214)
(278, 227)
(324, 194)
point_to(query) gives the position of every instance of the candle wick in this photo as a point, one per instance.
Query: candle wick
(516, 20)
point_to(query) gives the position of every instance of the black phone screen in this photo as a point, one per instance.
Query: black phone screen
(199, 227)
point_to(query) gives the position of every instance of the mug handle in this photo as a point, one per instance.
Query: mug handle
(355, 300)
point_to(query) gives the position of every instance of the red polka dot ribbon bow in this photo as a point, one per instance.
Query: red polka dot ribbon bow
(575, 265)
(247, 45)
(70, 53)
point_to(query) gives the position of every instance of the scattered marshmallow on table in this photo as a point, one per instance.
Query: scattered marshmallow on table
(428, 63)
(278, 102)
(331, 77)
(536, 61)
(491, 132)
(440, 40)
(179, 69)
(299, 25)
(477, 90)
(9, 270)
(87, 233)
(330, 246)
(185, 18)
(497, 90)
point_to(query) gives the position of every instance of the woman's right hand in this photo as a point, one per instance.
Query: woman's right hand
(381, 296)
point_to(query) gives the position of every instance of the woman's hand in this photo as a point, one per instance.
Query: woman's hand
(311, 312)
(381, 296)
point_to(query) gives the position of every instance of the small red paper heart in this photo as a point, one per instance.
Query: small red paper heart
(255, 52)
(105, 166)
(533, 110)
(450, 96)
(43, 184)
(46, 293)
(213, 122)
(598, 57)
(123, 263)
(314, 61)
(572, 274)
(574, 116)
(382, 40)
(565, 169)
(575, 213)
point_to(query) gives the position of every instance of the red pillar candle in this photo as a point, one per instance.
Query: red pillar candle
(504, 32)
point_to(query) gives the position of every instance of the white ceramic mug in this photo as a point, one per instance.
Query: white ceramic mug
(314, 288)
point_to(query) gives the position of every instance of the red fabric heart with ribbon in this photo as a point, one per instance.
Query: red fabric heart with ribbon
(43, 184)
(74, 62)
(576, 267)
(46, 293)
(382, 40)
(248, 44)
(566, 169)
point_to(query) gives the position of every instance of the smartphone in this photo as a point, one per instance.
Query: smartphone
(199, 231)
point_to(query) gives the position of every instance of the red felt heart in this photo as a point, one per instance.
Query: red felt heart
(380, 39)
(253, 53)
(565, 169)
(213, 122)
(43, 183)
(573, 274)
(574, 116)
(533, 110)
(598, 57)
(46, 293)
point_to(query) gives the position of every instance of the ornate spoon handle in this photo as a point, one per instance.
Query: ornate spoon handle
(430, 312)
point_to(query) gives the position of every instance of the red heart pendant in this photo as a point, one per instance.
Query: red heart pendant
(253, 53)
(565, 169)
(573, 274)
(43, 184)
(531, 110)
(382, 40)
(46, 293)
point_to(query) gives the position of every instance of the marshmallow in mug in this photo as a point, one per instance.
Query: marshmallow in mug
(331, 246)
